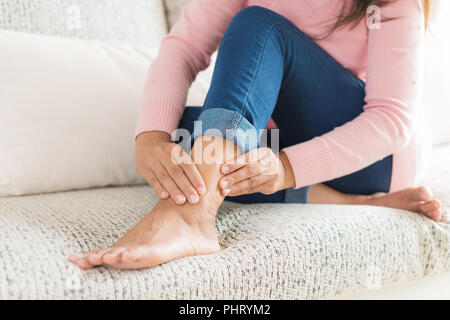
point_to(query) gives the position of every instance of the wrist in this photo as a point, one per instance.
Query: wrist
(288, 177)
(153, 137)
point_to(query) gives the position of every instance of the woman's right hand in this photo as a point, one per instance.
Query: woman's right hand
(177, 177)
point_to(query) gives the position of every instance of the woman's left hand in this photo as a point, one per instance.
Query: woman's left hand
(259, 170)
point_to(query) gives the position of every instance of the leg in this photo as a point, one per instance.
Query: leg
(269, 67)
(190, 115)
(171, 231)
(303, 105)
(310, 87)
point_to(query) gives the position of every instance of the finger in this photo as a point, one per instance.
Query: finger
(242, 174)
(247, 186)
(168, 184)
(193, 174)
(180, 179)
(246, 172)
(250, 157)
(151, 178)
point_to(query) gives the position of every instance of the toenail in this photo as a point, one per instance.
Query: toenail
(224, 183)
(423, 194)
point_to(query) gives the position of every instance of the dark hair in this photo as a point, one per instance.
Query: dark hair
(358, 11)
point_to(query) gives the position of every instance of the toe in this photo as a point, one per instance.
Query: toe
(74, 257)
(143, 255)
(431, 209)
(98, 255)
(131, 254)
(422, 194)
(138, 253)
(84, 264)
(113, 256)
(435, 215)
(430, 205)
(95, 258)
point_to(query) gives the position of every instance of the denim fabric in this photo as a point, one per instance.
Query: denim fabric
(229, 124)
(267, 67)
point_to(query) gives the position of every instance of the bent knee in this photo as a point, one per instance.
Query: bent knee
(255, 17)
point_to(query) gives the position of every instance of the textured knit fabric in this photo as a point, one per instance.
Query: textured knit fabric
(388, 59)
(139, 22)
(289, 251)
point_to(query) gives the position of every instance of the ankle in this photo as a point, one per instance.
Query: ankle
(357, 199)
(209, 153)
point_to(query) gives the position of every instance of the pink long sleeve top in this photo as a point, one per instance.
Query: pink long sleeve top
(386, 58)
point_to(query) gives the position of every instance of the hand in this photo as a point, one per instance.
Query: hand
(177, 177)
(259, 170)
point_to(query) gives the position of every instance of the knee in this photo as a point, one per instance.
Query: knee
(254, 19)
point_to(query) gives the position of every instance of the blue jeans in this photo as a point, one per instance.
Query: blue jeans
(267, 67)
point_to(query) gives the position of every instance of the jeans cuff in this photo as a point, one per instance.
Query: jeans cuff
(228, 124)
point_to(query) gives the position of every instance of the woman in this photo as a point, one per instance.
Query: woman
(341, 85)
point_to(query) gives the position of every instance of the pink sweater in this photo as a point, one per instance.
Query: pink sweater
(388, 59)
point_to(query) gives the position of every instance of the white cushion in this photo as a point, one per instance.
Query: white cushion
(68, 112)
(140, 22)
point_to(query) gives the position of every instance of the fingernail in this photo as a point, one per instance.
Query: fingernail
(201, 190)
(164, 194)
(225, 169)
(227, 191)
(181, 198)
(193, 198)
(224, 183)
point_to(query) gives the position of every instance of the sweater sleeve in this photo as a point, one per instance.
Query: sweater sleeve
(184, 52)
(392, 95)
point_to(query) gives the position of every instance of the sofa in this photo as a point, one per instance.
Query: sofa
(72, 75)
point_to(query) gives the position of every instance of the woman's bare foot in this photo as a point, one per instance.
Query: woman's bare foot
(167, 233)
(418, 200)
(170, 231)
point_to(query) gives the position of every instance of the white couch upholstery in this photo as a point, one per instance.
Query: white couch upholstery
(268, 251)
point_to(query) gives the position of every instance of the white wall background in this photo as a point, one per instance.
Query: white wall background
(436, 104)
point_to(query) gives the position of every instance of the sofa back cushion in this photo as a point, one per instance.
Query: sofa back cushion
(140, 22)
(68, 111)
(173, 8)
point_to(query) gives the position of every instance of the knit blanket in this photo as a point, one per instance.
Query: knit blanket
(269, 251)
